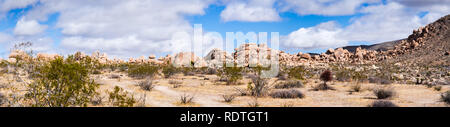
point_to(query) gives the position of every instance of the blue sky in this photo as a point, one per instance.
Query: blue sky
(63, 26)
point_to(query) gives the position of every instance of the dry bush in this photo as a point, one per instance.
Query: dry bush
(186, 99)
(97, 100)
(228, 98)
(383, 93)
(382, 103)
(120, 98)
(438, 88)
(146, 85)
(355, 88)
(445, 97)
(230, 74)
(2, 99)
(322, 86)
(254, 103)
(289, 84)
(175, 82)
(326, 76)
(114, 76)
(377, 80)
(260, 87)
(242, 92)
(292, 93)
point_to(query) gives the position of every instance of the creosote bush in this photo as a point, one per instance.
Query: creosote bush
(228, 98)
(230, 74)
(142, 70)
(120, 98)
(62, 83)
(383, 93)
(298, 72)
(146, 85)
(169, 71)
(382, 103)
(289, 84)
(445, 97)
(291, 93)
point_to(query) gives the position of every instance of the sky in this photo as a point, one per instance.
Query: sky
(133, 28)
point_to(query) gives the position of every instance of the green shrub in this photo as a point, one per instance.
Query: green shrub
(230, 74)
(62, 83)
(120, 98)
(142, 70)
(291, 93)
(169, 71)
(298, 72)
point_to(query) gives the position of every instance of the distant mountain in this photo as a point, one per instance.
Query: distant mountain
(377, 47)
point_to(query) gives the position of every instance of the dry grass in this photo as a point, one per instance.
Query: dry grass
(291, 93)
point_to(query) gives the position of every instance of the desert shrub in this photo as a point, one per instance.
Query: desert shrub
(259, 88)
(254, 103)
(175, 82)
(438, 88)
(383, 93)
(230, 74)
(291, 93)
(188, 71)
(445, 97)
(96, 72)
(114, 76)
(142, 70)
(343, 75)
(123, 67)
(228, 98)
(61, 83)
(383, 81)
(120, 98)
(322, 86)
(326, 76)
(242, 92)
(298, 72)
(186, 99)
(169, 71)
(258, 69)
(289, 84)
(2, 99)
(97, 100)
(282, 76)
(211, 71)
(287, 105)
(382, 103)
(146, 85)
(355, 88)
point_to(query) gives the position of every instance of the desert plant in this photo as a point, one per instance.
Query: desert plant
(287, 105)
(260, 87)
(146, 85)
(438, 88)
(289, 84)
(186, 99)
(169, 71)
(445, 97)
(97, 100)
(355, 88)
(228, 98)
(382, 103)
(326, 76)
(242, 92)
(120, 98)
(383, 81)
(230, 74)
(291, 93)
(298, 72)
(383, 93)
(322, 86)
(61, 83)
(114, 76)
(254, 103)
(142, 70)
(2, 99)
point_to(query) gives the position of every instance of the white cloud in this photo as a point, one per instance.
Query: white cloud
(122, 28)
(322, 36)
(250, 11)
(6, 5)
(324, 7)
(31, 27)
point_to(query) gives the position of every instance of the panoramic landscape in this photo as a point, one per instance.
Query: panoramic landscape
(408, 71)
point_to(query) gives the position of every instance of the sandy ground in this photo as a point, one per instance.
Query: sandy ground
(208, 93)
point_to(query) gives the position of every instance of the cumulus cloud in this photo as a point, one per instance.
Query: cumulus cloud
(6, 5)
(324, 35)
(121, 28)
(31, 27)
(250, 11)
